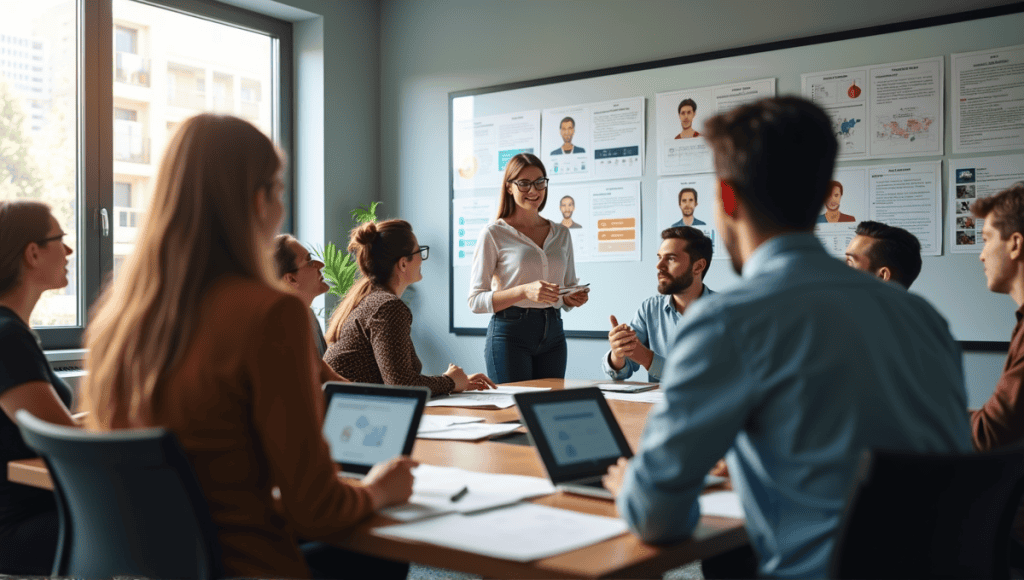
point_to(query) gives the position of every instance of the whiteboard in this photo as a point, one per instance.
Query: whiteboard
(953, 283)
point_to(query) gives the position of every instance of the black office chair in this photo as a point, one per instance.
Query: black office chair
(128, 502)
(930, 516)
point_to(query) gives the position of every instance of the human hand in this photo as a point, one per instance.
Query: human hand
(458, 375)
(480, 382)
(390, 482)
(720, 469)
(623, 341)
(541, 291)
(612, 480)
(577, 298)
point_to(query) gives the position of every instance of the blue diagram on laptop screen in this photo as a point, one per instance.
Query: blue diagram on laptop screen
(576, 431)
(365, 429)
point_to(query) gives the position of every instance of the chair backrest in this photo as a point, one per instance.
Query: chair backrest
(128, 502)
(930, 516)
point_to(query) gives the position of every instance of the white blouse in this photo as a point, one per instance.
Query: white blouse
(505, 258)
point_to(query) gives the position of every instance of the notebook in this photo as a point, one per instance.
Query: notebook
(576, 436)
(367, 424)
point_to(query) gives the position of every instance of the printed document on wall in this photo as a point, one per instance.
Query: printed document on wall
(482, 146)
(846, 205)
(594, 141)
(469, 216)
(887, 110)
(603, 219)
(689, 201)
(907, 196)
(988, 100)
(681, 114)
(971, 179)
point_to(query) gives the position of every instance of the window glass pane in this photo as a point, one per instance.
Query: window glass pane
(38, 120)
(167, 67)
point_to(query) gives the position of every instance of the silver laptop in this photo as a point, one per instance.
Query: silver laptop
(367, 424)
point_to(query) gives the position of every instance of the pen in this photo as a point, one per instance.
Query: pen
(460, 494)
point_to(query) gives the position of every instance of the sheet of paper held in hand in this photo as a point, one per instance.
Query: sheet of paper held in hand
(521, 532)
(434, 486)
(500, 398)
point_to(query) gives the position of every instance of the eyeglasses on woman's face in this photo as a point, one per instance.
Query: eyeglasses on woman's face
(525, 185)
(423, 251)
(45, 241)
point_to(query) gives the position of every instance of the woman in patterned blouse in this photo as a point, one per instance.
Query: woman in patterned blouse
(369, 333)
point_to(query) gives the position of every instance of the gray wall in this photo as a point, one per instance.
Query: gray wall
(428, 49)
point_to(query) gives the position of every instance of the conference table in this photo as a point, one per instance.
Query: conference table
(624, 556)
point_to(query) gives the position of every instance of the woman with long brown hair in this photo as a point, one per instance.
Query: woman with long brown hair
(522, 265)
(33, 259)
(196, 336)
(369, 333)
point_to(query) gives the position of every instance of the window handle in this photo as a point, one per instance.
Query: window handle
(104, 223)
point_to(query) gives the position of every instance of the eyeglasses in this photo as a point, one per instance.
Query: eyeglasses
(424, 252)
(524, 185)
(45, 241)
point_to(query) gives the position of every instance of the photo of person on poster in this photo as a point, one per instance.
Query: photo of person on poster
(687, 205)
(567, 206)
(687, 110)
(567, 128)
(832, 214)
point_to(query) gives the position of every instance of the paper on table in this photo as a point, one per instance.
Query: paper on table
(510, 390)
(470, 431)
(475, 400)
(721, 503)
(627, 387)
(440, 422)
(645, 397)
(521, 532)
(433, 487)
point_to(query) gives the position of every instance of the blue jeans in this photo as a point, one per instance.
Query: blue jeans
(524, 344)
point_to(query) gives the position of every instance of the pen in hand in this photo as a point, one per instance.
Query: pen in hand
(460, 494)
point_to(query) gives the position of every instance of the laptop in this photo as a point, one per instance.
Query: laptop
(367, 424)
(576, 436)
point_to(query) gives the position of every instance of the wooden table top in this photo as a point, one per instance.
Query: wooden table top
(621, 557)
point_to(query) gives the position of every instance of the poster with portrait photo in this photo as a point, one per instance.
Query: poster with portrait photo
(846, 205)
(972, 179)
(594, 141)
(603, 219)
(689, 201)
(681, 114)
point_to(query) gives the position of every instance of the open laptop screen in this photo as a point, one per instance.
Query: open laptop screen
(366, 428)
(576, 431)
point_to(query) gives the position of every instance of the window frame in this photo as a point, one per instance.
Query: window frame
(95, 136)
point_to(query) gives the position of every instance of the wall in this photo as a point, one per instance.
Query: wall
(428, 49)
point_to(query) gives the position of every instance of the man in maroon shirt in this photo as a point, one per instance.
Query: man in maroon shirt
(1000, 421)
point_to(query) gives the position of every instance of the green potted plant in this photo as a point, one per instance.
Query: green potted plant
(339, 268)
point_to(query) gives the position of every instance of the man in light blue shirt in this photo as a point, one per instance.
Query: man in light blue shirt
(796, 371)
(683, 260)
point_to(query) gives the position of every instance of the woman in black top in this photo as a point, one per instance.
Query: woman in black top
(33, 259)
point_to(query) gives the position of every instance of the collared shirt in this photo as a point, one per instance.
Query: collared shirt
(655, 324)
(796, 371)
(505, 257)
(1001, 421)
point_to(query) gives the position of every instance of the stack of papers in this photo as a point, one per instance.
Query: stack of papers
(645, 397)
(467, 431)
(433, 488)
(500, 398)
(521, 532)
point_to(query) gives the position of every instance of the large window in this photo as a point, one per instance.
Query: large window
(87, 140)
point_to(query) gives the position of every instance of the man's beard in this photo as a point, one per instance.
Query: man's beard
(675, 285)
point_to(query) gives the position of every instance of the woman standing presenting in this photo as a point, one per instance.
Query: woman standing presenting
(521, 263)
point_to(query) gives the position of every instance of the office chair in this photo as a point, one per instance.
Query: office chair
(128, 503)
(930, 516)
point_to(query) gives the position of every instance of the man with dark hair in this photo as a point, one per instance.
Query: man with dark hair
(567, 206)
(888, 252)
(683, 260)
(687, 110)
(795, 370)
(1000, 422)
(687, 205)
(567, 128)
